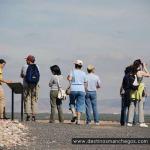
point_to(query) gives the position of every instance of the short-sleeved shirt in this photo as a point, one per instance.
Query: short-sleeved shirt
(1, 74)
(93, 81)
(78, 80)
(56, 82)
(23, 72)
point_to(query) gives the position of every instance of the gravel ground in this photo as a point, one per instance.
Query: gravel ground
(48, 136)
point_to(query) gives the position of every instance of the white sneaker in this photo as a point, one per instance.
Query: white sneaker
(143, 125)
(78, 122)
(97, 123)
(129, 124)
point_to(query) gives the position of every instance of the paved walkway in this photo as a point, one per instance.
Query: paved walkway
(47, 136)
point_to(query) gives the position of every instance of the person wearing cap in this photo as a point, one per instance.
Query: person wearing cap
(93, 83)
(30, 91)
(2, 97)
(77, 80)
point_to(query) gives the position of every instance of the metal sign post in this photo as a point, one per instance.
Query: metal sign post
(16, 88)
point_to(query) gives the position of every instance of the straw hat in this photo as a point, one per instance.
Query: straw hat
(90, 67)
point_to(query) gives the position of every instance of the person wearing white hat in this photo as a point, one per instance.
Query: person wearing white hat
(93, 83)
(77, 79)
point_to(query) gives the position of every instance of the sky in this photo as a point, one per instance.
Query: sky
(110, 34)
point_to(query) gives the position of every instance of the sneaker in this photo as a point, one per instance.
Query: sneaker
(28, 118)
(88, 123)
(33, 118)
(97, 123)
(78, 122)
(73, 119)
(51, 121)
(143, 125)
(129, 124)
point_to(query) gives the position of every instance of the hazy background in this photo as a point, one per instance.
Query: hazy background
(109, 34)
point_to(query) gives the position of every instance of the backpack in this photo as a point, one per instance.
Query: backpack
(32, 74)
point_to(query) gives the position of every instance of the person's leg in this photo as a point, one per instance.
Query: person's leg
(2, 103)
(80, 105)
(122, 112)
(72, 102)
(141, 113)
(94, 106)
(60, 110)
(141, 110)
(34, 98)
(127, 105)
(53, 97)
(27, 102)
(131, 111)
(135, 117)
(88, 107)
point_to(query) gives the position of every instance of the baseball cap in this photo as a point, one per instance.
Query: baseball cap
(79, 62)
(30, 58)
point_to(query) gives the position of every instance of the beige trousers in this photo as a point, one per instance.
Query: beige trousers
(2, 102)
(30, 99)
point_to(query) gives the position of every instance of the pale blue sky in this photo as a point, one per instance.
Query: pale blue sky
(107, 33)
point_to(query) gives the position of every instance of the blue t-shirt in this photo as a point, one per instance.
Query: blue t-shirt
(78, 80)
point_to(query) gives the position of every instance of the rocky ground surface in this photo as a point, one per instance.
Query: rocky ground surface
(12, 134)
(42, 135)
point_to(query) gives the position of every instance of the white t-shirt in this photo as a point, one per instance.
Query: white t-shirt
(93, 81)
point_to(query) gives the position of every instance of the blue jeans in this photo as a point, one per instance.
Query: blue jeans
(77, 100)
(91, 100)
(125, 103)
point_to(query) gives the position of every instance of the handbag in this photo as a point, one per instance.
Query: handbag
(61, 93)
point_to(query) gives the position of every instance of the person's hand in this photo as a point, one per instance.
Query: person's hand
(145, 64)
(8, 81)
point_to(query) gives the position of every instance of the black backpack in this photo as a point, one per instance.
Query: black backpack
(32, 74)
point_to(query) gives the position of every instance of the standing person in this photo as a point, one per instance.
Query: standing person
(136, 93)
(2, 97)
(93, 83)
(55, 84)
(77, 95)
(30, 74)
(125, 95)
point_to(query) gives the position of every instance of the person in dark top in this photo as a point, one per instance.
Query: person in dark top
(125, 95)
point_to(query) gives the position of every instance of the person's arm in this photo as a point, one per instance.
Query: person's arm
(5, 81)
(51, 82)
(121, 90)
(85, 83)
(145, 68)
(23, 71)
(143, 73)
(21, 74)
(98, 83)
(69, 78)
